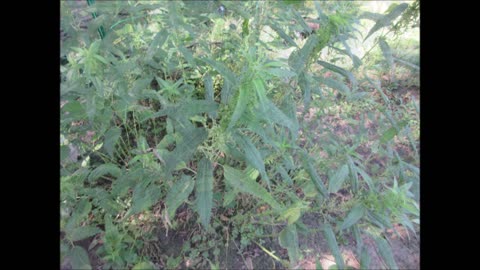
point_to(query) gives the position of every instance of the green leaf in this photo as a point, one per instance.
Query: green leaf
(222, 69)
(387, 52)
(111, 138)
(121, 185)
(364, 259)
(340, 86)
(304, 85)
(387, 20)
(293, 213)
(83, 232)
(285, 177)
(157, 42)
(103, 170)
(242, 182)
(299, 59)
(288, 238)
(385, 251)
(313, 175)
(332, 244)
(253, 156)
(204, 191)
(366, 178)
(178, 194)
(392, 132)
(275, 115)
(337, 180)
(188, 55)
(143, 266)
(357, 212)
(185, 149)
(144, 196)
(318, 265)
(282, 34)
(340, 71)
(75, 110)
(79, 258)
(240, 106)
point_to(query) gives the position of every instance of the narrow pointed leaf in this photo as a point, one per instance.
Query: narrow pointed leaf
(83, 232)
(314, 176)
(240, 106)
(178, 194)
(357, 212)
(341, 71)
(222, 69)
(288, 238)
(111, 138)
(240, 181)
(337, 180)
(387, 52)
(332, 244)
(364, 259)
(204, 191)
(185, 149)
(282, 34)
(103, 170)
(253, 156)
(387, 20)
(385, 252)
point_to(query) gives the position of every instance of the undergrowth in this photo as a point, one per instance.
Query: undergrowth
(181, 124)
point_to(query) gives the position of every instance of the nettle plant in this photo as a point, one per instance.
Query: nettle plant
(182, 105)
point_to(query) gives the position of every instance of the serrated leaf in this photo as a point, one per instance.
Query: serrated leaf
(299, 59)
(387, 20)
(299, 19)
(143, 266)
(178, 194)
(253, 156)
(340, 71)
(392, 132)
(379, 220)
(83, 232)
(364, 259)
(123, 183)
(242, 182)
(157, 42)
(334, 84)
(111, 138)
(337, 180)
(313, 175)
(332, 244)
(79, 258)
(304, 85)
(293, 213)
(144, 196)
(357, 212)
(185, 149)
(385, 252)
(222, 69)
(285, 177)
(277, 116)
(288, 238)
(387, 52)
(226, 93)
(204, 191)
(358, 239)
(240, 106)
(82, 209)
(366, 178)
(103, 170)
(188, 55)
(282, 34)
